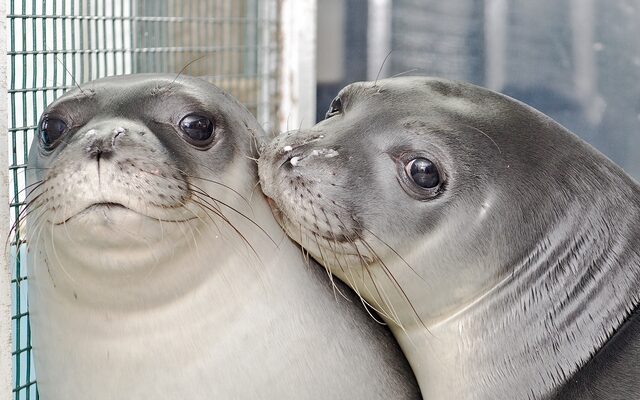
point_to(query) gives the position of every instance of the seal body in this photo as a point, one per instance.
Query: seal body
(503, 250)
(156, 272)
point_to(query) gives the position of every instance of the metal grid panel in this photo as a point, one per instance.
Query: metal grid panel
(53, 44)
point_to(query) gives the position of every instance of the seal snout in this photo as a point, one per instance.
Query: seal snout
(102, 145)
(289, 156)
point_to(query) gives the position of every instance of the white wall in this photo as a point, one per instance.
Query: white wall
(297, 65)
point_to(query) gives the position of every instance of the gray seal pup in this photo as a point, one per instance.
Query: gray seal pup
(503, 250)
(155, 272)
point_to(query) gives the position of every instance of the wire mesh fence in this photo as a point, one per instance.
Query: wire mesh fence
(54, 45)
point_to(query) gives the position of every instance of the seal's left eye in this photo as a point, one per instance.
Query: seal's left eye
(198, 130)
(51, 129)
(335, 108)
(423, 173)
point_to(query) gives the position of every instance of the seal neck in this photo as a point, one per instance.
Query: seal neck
(563, 300)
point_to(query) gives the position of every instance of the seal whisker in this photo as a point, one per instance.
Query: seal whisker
(253, 190)
(335, 256)
(15, 229)
(487, 136)
(22, 214)
(333, 250)
(208, 213)
(395, 283)
(57, 257)
(396, 253)
(257, 146)
(368, 307)
(305, 253)
(64, 224)
(236, 230)
(248, 157)
(185, 68)
(353, 282)
(406, 72)
(365, 268)
(73, 78)
(193, 227)
(313, 210)
(382, 66)
(39, 228)
(190, 184)
(329, 274)
(383, 296)
(209, 180)
(379, 309)
(203, 195)
(32, 187)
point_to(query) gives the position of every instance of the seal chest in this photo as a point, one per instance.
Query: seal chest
(501, 248)
(156, 272)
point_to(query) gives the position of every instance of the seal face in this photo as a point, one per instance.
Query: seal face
(155, 271)
(492, 239)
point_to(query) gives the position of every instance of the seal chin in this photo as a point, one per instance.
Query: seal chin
(353, 251)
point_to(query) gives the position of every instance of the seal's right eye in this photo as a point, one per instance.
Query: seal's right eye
(198, 130)
(423, 173)
(51, 129)
(335, 108)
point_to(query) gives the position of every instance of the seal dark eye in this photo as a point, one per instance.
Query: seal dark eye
(51, 129)
(423, 173)
(335, 108)
(197, 129)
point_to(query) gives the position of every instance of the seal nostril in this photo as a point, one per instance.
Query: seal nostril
(290, 159)
(101, 148)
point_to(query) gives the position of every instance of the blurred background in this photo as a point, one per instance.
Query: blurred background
(576, 60)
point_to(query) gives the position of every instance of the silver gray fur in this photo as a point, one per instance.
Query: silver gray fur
(512, 277)
(147, 279)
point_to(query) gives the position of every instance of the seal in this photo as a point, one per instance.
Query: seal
(502, 249)
(155, 272)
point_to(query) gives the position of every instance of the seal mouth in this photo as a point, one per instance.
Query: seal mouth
(282, 219)
(110, 206)
(95, 207)
(107, 204)
(323, 239)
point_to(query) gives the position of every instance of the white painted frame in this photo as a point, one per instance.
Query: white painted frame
(378, 38)
(297, 59)
(495, 31)
(6, 371)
